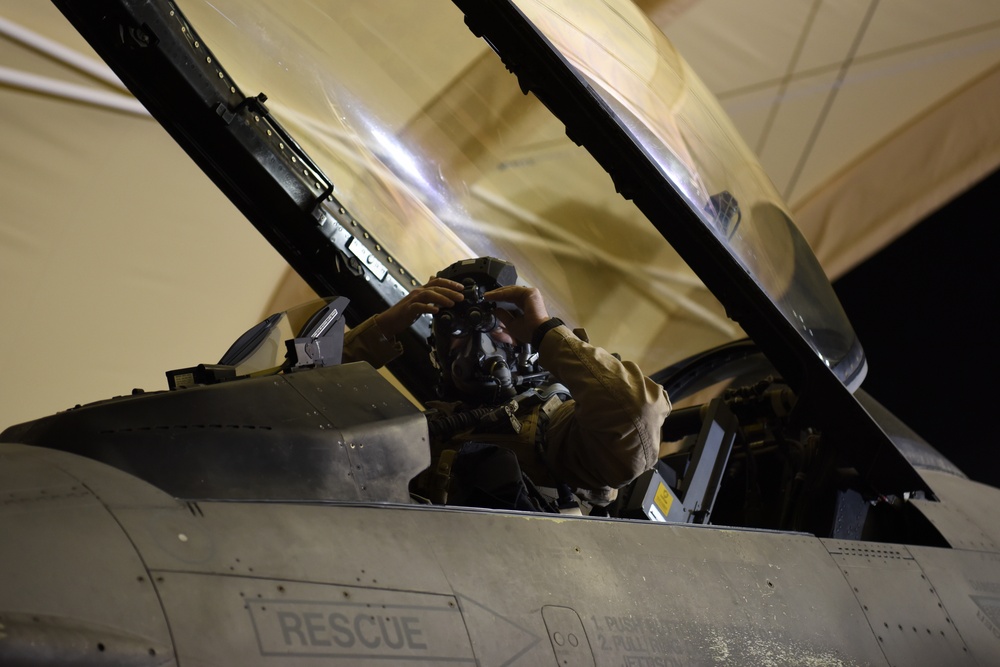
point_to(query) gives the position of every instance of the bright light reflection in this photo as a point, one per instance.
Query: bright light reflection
(399, 156)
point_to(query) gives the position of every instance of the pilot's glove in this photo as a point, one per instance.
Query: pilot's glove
(520, 326)
(427, 299)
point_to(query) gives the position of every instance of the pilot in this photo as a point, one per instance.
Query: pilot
(532, 416)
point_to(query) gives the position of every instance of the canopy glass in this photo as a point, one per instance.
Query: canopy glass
(433, 147)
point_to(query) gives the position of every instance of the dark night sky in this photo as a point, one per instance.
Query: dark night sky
(924, 310)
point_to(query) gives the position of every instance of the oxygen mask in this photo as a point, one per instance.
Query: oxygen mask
(480, 364)
(479, 361)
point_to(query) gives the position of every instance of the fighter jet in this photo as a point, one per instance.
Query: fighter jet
(259, 512)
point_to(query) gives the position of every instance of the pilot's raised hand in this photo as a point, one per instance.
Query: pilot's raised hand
(530, 301)
(436, 294)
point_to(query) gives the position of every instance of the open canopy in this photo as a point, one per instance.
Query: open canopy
(405, 180)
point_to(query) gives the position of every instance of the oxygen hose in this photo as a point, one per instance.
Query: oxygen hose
(500, 371)
(445, 426)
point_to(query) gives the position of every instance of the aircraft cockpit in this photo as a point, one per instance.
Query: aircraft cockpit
(281, 418)
(359, 147)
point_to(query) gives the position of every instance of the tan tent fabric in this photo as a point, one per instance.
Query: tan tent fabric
(118, 259)
(913, 172)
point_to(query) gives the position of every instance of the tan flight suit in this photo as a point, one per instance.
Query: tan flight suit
(602, 439)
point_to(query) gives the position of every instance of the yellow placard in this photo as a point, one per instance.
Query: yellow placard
(663, 499)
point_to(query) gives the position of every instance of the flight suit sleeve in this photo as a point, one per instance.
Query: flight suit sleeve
(366, 342)
(609, 433)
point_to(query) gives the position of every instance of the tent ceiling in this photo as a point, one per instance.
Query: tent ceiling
(867, 114)
(120, 260)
